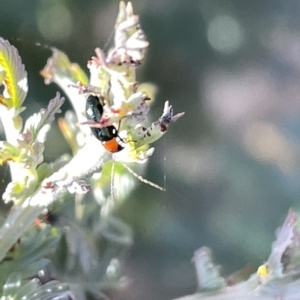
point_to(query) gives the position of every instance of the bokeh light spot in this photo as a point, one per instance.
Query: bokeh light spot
(54, 22)
(265, 142)
(224, 34)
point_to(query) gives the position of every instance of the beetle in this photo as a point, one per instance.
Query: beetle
(107, 135)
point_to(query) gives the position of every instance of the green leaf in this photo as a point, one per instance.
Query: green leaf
(59, 65)
(15, 80)
(17, 289)
(26, 257)
(38, 124)
(287, 239)
(8, 152)
(208, 274)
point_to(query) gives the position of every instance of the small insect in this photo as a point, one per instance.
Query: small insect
(107, 135)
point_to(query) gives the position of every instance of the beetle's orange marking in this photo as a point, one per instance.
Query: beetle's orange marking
(111, 146)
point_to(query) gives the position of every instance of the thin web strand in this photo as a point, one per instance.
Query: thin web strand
(112, 181)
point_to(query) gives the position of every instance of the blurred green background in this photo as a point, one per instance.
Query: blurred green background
(231, 165)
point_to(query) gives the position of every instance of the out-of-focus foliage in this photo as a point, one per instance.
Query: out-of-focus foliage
(25, 260)
(277, 278)
(17, 289)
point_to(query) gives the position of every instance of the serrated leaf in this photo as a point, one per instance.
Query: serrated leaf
(8, 152)
(14, 191)
(53, 290)
(208, 274)
(15, 80)
(17, 289)
(157, 129)
(59, 65)
(38, 125)
(26, 288)
(27, 257)
(287, 238)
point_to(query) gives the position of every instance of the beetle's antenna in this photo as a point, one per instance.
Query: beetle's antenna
(142, 179)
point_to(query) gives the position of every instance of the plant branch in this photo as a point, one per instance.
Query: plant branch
(68, 178)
